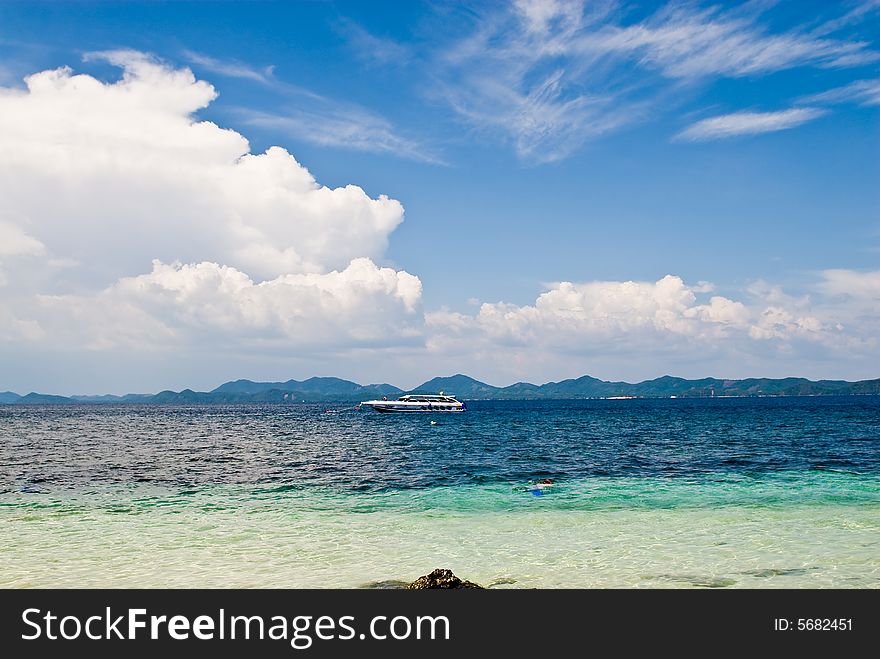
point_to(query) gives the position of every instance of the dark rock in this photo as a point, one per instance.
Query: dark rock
(441, 578)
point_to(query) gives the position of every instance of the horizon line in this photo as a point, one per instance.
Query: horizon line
(441, 377)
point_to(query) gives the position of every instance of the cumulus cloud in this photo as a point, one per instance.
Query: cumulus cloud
(119, 173)
(851, 283)
(747, 123)
(662, 320)
(208, 302)
(640, 329)
(143, 224)
(14, 242)
(592, 312)
(779, 323)
(129, 225)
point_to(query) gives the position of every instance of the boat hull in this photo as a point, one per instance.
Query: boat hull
(412, 409)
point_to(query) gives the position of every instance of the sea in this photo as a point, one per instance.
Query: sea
(646, 493)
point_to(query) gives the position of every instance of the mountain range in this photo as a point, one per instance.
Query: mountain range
(336, 390)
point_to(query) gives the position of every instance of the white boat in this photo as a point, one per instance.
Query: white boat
(417, 403)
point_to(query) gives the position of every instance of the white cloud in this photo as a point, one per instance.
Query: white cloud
(547, 76)
(855, 15)
(515, 77)
(646, 328)
(747, 123)
(864, 92)
(128, 225)
(117, 174)
(232, 68)
(640, 329)
(541, 16)
(608, 310)
(317, 119)
(330, 124)
(371, 48)
(15, 242)
(182, 304)
(779, 323)
(101, 179)
(16, 330)
(723, 311)
(768, 294)
(684, 43)
(17, 252)
(852, 283)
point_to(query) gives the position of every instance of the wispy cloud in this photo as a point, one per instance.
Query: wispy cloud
(515, 76)
(372, 48)
(548, 76)
(685, 43)
(315, 118)
(864, 92)
(747, 123)
(855, 15)
(232, 68)
(545, 122)
(6, 76)
(333, 125)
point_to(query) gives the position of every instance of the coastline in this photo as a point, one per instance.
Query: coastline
(336, 390)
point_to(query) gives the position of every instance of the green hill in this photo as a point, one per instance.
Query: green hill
(336, 390)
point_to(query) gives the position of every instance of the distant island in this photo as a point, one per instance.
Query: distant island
(336, 390)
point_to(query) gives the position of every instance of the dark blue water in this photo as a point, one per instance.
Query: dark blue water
(47, 447)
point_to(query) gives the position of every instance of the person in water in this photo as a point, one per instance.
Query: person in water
(536, 488)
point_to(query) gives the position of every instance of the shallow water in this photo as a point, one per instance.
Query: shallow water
(729, 493)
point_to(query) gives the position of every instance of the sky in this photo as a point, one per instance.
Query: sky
(385, 192)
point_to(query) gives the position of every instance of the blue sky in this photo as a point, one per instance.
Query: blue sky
(732, 146)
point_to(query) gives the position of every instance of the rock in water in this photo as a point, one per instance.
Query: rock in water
(441, 578)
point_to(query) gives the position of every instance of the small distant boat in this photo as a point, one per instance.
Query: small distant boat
(417, 403)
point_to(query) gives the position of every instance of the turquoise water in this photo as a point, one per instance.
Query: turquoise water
(786, 530)
(200, 498)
